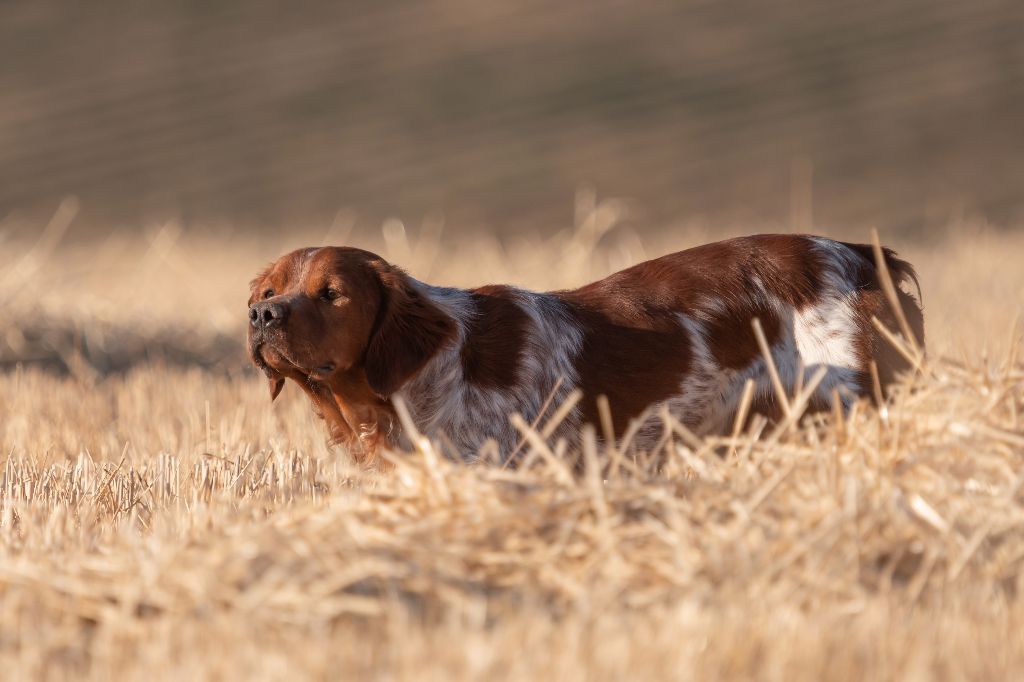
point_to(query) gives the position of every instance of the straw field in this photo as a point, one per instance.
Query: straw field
(161, 519)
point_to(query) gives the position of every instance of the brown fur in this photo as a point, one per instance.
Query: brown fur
(495, 339)
(635, 351)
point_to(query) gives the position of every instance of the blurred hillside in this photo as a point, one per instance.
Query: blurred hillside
(898, 114)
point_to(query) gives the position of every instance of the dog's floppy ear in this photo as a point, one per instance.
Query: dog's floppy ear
(410, 329)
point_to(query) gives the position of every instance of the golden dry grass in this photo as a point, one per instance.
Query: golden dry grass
(168, 522)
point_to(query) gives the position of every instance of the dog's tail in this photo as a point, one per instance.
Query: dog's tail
(901, 272)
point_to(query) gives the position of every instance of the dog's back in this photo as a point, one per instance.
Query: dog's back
(677, 330)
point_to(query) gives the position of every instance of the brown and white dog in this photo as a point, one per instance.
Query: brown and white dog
(354, 331)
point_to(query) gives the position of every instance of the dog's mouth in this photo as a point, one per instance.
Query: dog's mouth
(271, 360)
(276, 364)
(256, 352)
(271, 357)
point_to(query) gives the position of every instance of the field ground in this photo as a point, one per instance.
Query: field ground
(159, 518)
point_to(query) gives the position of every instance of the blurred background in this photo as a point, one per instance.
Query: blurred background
(259, 115)
(154, 156)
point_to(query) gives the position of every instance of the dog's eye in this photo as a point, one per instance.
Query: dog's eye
(268, 293)
(329, 294)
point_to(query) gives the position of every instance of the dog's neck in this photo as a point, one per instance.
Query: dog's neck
(512, 353)
(356, 418)
(364, 422)
(442, 379)
(512, 350)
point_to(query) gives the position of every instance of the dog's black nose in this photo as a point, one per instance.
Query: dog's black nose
(267, 314)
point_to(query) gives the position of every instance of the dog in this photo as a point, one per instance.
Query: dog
(355, 332)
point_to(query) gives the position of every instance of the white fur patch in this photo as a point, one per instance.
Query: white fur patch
(825, 335)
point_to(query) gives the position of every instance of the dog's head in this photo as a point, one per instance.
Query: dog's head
(318, 315)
